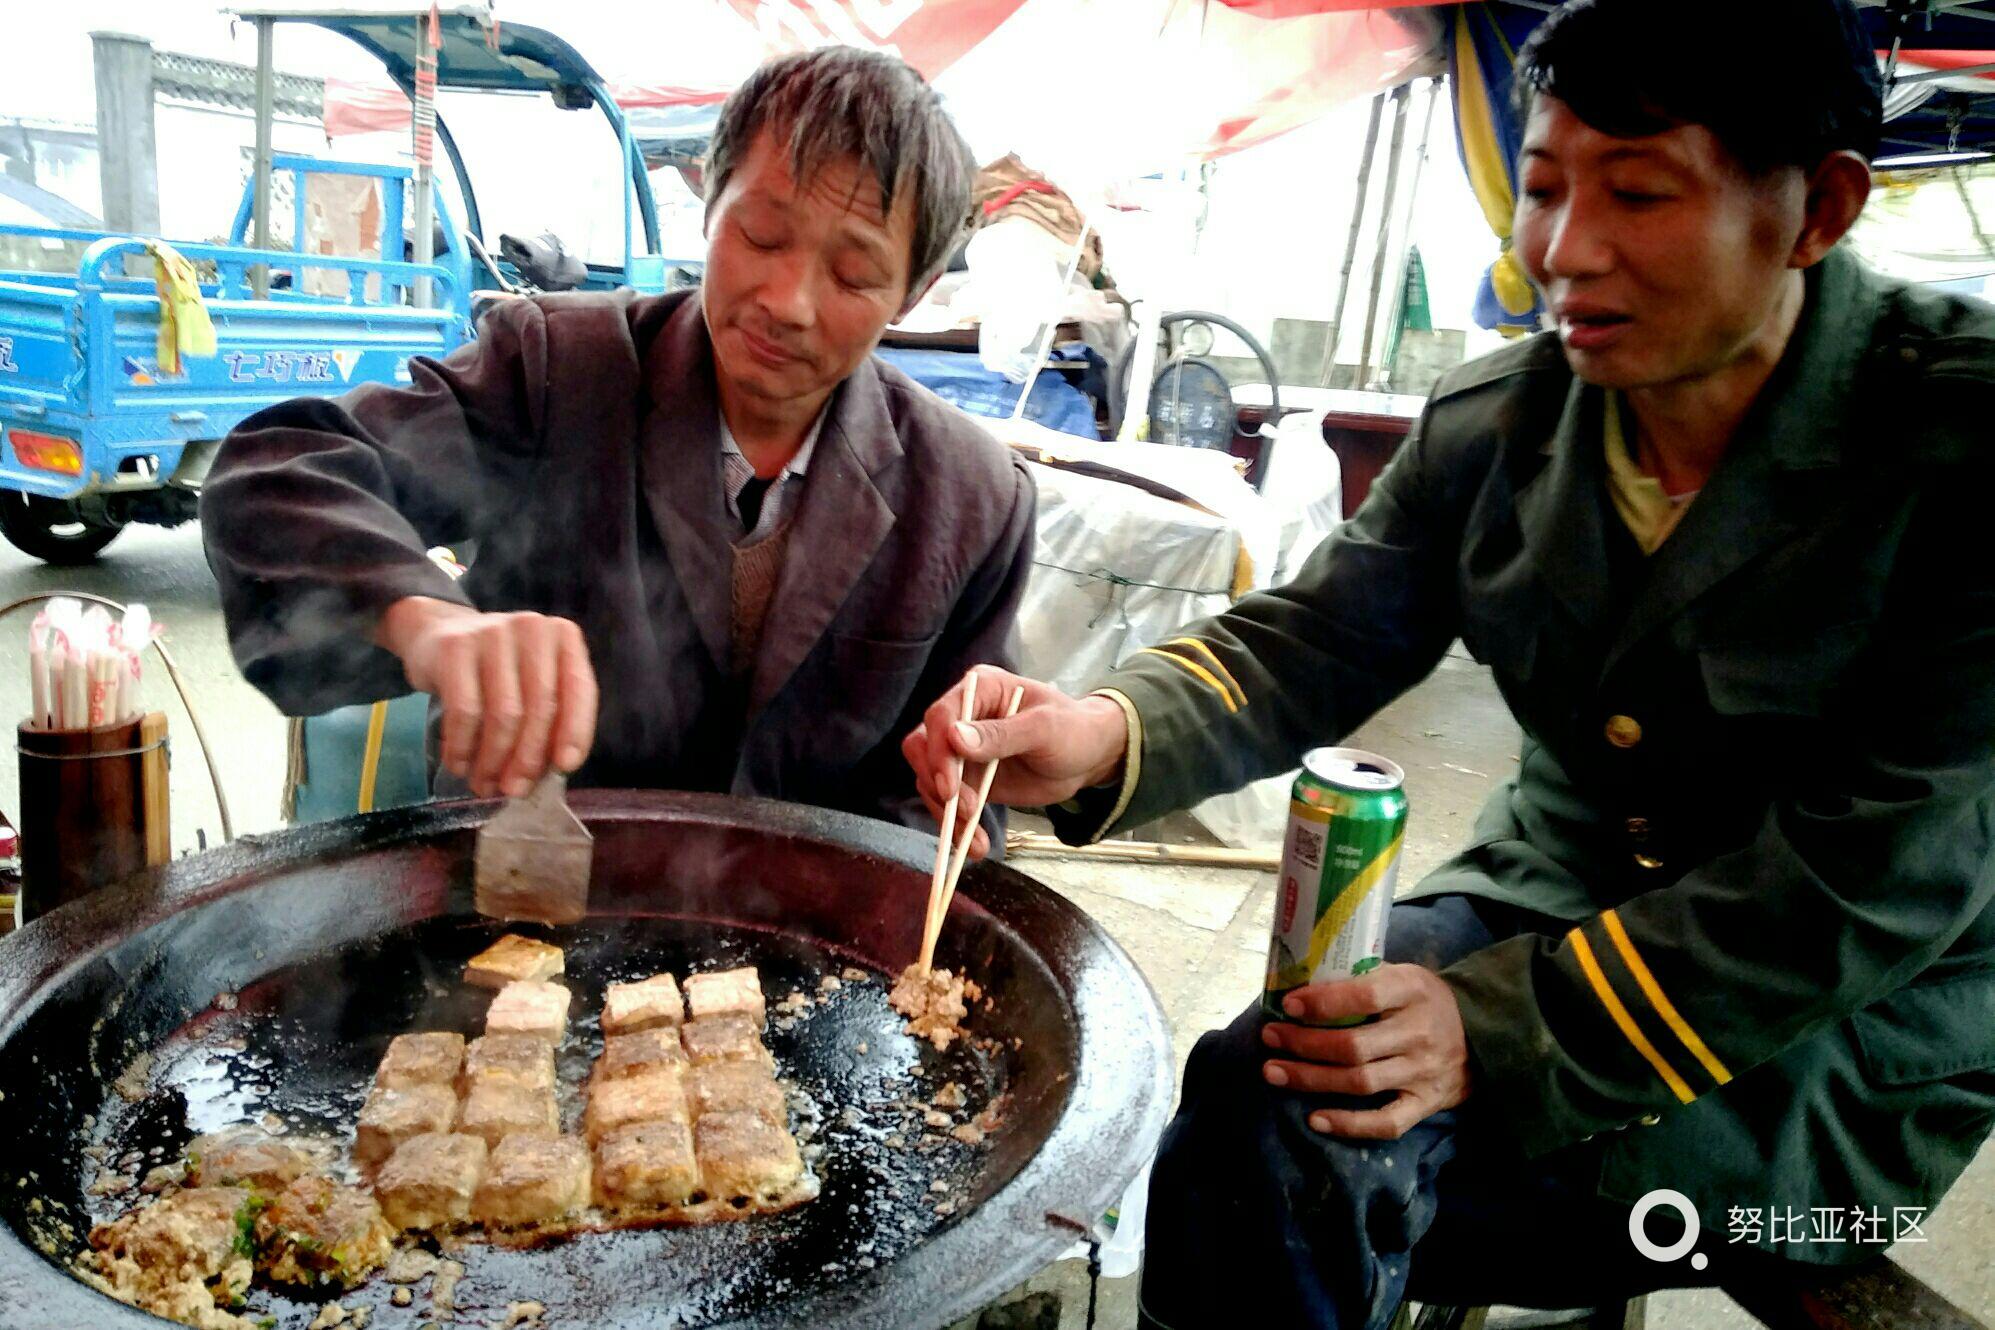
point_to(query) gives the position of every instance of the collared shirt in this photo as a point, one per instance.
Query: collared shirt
(1649, 511)
(736, 472)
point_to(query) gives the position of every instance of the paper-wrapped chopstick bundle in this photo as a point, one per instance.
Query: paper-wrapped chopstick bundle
(84, 667)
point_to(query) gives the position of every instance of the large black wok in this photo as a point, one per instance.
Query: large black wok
(329, 940)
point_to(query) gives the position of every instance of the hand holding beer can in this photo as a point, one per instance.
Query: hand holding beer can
(1340, 866)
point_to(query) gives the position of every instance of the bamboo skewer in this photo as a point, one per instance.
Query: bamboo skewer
(962, 854)
(970, 832)
(1019, 843)
(154, 784)
(945, 835)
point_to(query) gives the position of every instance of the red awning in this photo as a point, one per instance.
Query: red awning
(1303, 8)
(1951, 60)
(931, 35)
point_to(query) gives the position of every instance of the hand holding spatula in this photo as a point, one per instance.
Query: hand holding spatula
(532, 859)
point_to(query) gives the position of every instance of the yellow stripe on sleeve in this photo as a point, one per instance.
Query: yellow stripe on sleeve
(1601, 988)
(1196, 670)
(1217, 664)
(1626, 946)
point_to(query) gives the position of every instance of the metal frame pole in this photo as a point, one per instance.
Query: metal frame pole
(1397, 309)
(424, 182)
(1351, 244)
(1402, 100)
(266, 111)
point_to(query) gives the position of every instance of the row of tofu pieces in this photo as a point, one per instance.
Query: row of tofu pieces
(682, 1106)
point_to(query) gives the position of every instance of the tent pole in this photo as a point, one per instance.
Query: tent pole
(1402, 98)
(266, 110)
(423, 183)
(1351, 244)
(1398, 306)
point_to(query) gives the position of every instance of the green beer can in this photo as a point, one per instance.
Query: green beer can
(1340, 865)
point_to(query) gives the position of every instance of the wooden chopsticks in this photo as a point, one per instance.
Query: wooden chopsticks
(951, 852)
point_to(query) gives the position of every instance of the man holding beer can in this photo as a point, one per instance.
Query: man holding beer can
(1728, 933)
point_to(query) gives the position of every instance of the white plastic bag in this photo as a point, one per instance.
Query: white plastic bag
(1122, 1250)
(1017, 269)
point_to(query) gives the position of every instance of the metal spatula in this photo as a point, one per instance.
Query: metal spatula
(532, 859)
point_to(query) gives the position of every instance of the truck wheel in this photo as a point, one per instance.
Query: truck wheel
(52, 530)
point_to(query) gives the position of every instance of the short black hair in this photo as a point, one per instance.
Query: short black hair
(1631, 68)
(842, 102)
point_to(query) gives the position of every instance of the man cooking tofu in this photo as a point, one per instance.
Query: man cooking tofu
(1721, 952)
(715, 544)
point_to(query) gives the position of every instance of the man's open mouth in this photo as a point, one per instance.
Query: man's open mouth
(1591, 329)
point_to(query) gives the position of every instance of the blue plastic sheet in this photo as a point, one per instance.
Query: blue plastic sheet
(959, 378)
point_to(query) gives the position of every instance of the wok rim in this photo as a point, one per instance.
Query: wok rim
(990, 1249)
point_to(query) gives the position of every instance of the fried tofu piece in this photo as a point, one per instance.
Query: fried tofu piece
(646, 1164)
(390, 1117)
(743, 1154)
(644, 1005)
(433, 1058)
(521, 1058)
(181, 1257)
(532, 1180)
(653, 1097)
(635, 1054)
(513, 958)
(732, 1037)
(322, 1235)
(725, 991)
(429, 1181)
(743, 1087)
(194, 1229)
(528, 1006)
(497, 1108)
(249, 1156)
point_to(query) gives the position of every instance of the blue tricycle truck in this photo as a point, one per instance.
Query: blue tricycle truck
(95, 434)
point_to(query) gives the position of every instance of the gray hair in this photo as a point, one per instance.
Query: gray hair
(842, 102)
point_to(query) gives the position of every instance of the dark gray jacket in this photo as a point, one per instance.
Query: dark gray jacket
(1758, 772)
(575, 446)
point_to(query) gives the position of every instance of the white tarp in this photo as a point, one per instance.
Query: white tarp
(1117, 569)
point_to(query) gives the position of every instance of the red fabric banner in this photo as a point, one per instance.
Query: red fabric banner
(367, 108)
(631, 96)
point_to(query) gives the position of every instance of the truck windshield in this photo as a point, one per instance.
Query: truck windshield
(537, 168)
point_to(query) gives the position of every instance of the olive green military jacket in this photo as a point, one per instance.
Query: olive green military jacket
(1758, 768)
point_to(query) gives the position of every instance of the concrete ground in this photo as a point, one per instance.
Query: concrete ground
(1199, 934)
